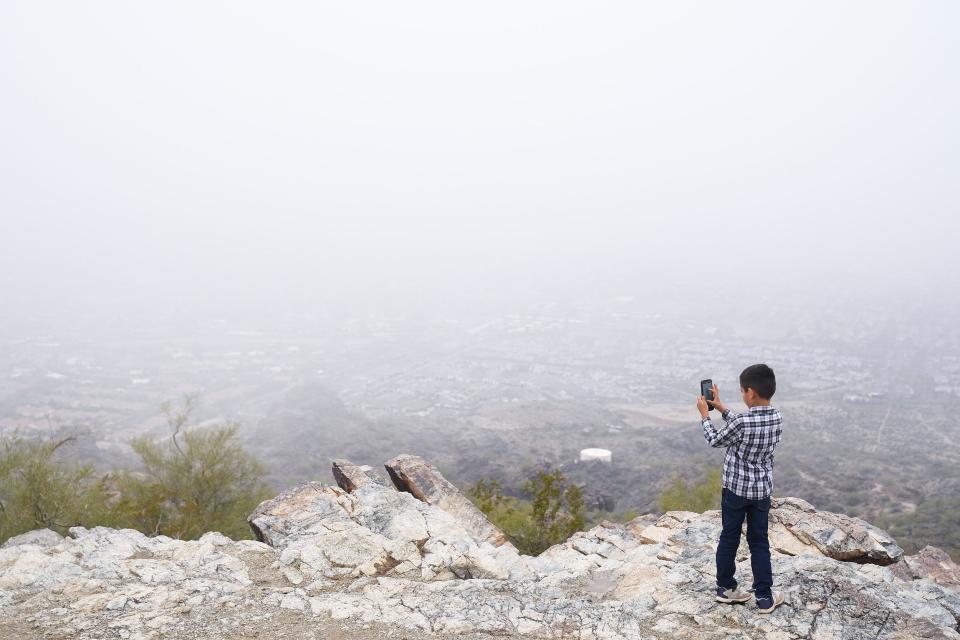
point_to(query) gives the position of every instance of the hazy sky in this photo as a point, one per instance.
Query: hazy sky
(297, 153)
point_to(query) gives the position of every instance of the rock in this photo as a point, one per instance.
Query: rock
(295, 510)
(376, 562)
(376, 530)
(312, 524)
(640, 523)
(782, 540)
(291, 601)
(421, 479)
(38, 537)
(351, 477)
(397, 516)
(586, 553)
(664, 527)
(836, 535)
(929, 562)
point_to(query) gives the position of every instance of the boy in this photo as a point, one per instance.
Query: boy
(750, 439)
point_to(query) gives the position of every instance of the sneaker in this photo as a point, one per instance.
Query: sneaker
(769, 603)
(731, 596)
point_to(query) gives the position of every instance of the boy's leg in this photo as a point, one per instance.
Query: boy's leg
(732, 512)
(757, 515)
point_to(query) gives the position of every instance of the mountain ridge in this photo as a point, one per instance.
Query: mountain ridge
(411, 557)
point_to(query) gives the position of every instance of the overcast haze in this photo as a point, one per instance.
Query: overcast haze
(488, 234)
(255, 155)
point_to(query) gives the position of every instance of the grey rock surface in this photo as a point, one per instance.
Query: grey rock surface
(39, 537)
(418, 477)
(836, 535)
(929, 562)
(351, 477)
(331, 534)
(380, 563)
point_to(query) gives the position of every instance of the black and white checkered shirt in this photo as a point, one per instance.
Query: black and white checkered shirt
(750, 439)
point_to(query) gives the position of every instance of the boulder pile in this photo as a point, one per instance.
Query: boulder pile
(407, 555)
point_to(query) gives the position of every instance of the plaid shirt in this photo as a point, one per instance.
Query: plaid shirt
(750, 439)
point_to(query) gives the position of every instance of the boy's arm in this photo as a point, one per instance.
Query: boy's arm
(727, 414)
(728, 434)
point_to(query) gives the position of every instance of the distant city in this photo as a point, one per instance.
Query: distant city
(500, 395)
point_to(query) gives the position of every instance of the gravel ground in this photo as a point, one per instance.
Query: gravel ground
(275, 625)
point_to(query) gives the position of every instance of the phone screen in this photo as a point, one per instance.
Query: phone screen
(706, 390)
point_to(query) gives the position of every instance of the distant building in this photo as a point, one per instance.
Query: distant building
(589, 455)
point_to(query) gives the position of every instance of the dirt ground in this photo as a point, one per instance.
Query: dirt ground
(282, 625)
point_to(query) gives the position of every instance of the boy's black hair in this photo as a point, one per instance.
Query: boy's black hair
(760, 378)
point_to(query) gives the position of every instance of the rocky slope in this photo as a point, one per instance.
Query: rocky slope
(365, 560)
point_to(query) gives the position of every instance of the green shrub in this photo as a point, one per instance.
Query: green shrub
(553, 513)
(37, 490)
(699, 497)
(197, 480)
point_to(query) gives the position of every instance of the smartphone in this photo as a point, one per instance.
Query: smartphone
(706, 390)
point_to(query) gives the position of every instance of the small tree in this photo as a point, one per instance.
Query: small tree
(197, 480)
(554, 512)
(39, 491)
(487, 495)
(699, 497)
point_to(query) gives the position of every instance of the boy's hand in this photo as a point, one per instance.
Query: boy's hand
(702, 406)
(719, 406)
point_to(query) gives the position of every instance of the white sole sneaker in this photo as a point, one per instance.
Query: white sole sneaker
(743, 597)
(777, 601)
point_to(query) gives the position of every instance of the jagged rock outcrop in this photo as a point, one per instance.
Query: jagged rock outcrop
(377, 561)
(108, 583)
(795, 528)
(836, 535)
(415, 475)
(39, 537)
(929, 562)
(351, 477)
(325, 532)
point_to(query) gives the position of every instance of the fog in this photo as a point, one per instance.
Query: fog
(248, 158)
(492, 235)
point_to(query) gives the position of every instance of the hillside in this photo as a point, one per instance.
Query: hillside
(364, 560)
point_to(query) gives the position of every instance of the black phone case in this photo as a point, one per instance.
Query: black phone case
(706, 392)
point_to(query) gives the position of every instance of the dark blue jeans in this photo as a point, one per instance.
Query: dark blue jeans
(735, 510)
